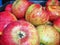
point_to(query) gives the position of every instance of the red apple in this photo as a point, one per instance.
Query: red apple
(8, 7)
(20, 33)
(36, 15)
(6, 18)
(56, 24)
(19, 8)
(48, 35)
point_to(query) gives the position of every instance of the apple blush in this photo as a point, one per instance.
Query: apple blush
(20, 33)
(5, 18)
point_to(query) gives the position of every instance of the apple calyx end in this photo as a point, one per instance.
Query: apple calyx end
(22, 34)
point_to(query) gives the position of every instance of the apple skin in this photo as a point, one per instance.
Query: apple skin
(22, 19)
(53, 8)
(48, 35)
(19, 8)
(56, 24)
(8, 7)
(52, 2)
(54, 12)
(5, 18)
(12, 34)
(36, 15)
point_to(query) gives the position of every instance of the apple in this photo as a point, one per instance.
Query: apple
(5, 18)
(48, 35)
(19, 8)
(54, 12)
(53, 9)
(52, 2)
(36, 15)
(8, 7)
(56, 24)
(20, 33)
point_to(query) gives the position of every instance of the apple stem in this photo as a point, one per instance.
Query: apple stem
(53, 2)
(42, 44)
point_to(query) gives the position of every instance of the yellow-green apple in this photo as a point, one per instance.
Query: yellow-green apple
(20, 33)
(19, 8)
(5, 18)
(56, 24)
(36, 15)
(8, 7)
(48, 35)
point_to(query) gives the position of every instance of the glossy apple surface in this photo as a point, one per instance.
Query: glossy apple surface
(20, 33)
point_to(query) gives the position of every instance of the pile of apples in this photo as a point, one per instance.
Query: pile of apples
(27, 23)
